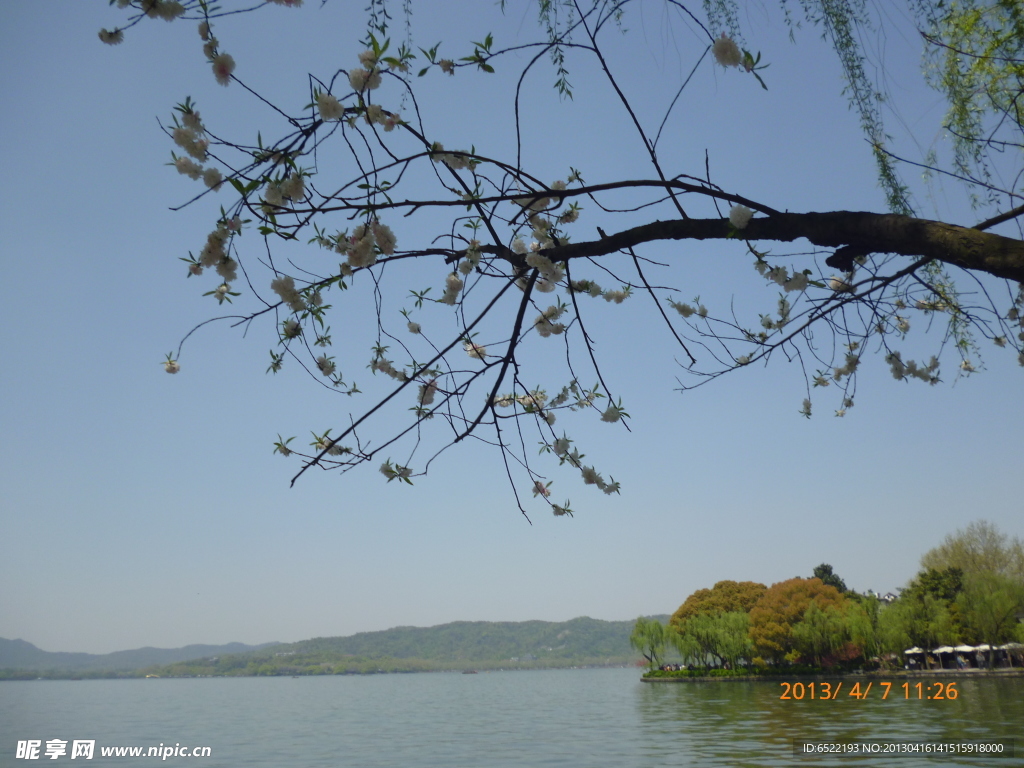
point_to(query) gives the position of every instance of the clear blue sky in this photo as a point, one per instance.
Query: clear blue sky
(139, 508)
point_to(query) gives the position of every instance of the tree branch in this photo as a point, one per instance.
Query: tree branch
(970, 249)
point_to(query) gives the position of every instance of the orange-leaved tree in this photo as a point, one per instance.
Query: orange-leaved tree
(725, 597)
(782, 607)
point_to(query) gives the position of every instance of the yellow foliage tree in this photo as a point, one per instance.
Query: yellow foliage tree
(781, 607)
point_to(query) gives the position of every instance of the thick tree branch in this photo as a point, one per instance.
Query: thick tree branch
(872, 232)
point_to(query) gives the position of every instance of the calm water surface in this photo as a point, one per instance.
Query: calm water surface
(593, 718)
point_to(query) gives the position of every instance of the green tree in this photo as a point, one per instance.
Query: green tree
(945, 583)
(649, 637)
(924, 621)
(989, 606)
(862, 620)
(720, 637)
(479, 209)
(818, 632)
(734, 643)
(827, 576)
(980, 548)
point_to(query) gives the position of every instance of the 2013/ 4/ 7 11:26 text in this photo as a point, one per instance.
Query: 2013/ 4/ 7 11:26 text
(826, 691)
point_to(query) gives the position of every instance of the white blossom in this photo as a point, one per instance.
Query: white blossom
(475, 350)
(739, 216)
(212, 178)
(545, 324)
(112, 37)
(227, 268)
(839, 285)
(805, 410)
(368, 58)
(294, 187)
(414, 327)
(361, 252)
(272, 194)
(188, 167)
(385, 237)
(798, 282)
(533, 401)
(427, 392)
(329, 107)
(374, 114)
(326, 365)
(452, 286)
(193, 122)
(896, 365)
(172, 366)
(726, 52)
(683, 309)
(284, 287)
(169, 10)
(852, 361)
(213, 252)
(364, 80)
(223, 66)
(188, 139)
(612, 414)
(386, 366)
(447, 66)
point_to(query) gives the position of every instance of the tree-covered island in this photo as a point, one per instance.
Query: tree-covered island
(964, 609)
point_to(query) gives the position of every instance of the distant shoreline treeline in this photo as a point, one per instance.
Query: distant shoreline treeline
(581, 642)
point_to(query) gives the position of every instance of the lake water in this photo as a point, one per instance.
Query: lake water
(590, 718)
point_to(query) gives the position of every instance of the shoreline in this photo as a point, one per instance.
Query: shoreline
(958, 674)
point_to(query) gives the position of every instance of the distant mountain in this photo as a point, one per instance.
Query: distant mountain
(481, 641)
(21, 655)
(458, 645)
